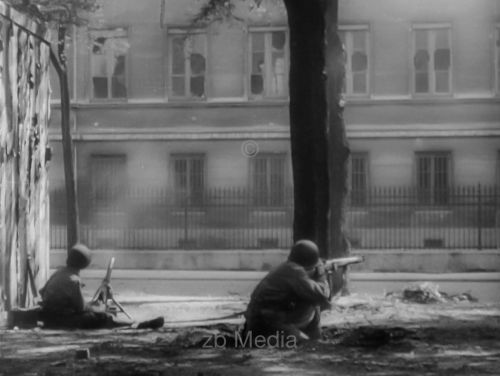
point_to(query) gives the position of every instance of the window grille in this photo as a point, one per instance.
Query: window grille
(268, 179)
(189, 178)
(433, 178)
(359, 178)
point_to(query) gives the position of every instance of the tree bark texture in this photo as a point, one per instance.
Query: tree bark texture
(318, 139)
(24, 112)
(338, 147)
(308, 119)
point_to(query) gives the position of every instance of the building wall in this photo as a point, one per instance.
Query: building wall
(389, 123)
(390, 21)
(392, 162)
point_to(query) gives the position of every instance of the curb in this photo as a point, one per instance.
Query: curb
(223, 275)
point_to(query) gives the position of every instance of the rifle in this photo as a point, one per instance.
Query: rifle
(105, 293)
(336, 263)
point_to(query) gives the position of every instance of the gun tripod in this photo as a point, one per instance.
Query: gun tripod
(104, 293)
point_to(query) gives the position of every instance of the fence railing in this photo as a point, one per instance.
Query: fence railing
(239, 218)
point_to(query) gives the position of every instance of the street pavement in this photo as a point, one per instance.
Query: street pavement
(165, 285)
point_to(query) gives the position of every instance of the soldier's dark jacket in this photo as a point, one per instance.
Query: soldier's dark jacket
(289, 295)
(63, 292)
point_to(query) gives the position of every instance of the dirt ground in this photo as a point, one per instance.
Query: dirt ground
(362, 335)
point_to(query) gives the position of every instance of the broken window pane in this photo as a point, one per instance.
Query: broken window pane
(278, 63)
(278, 40)
(432, 60)
(257, 84)
(188, 66)
(356, 61)
(197, 86)
(197, 64)
(257, 78)
(119, 88)
(108, 64)
(278, 74)
(268, 65)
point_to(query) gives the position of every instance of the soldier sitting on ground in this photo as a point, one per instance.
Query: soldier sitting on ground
(289, 300)
(63, 305)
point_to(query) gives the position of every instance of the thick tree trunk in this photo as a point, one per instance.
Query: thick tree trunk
(337, 141)
(308, 119)
(317, 131)
(338, 149)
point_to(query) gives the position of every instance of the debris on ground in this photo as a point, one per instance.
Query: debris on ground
(428, 293)
(362, 335)
(369, 336)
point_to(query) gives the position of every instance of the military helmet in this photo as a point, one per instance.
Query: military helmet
(305, 253)
(79, 256)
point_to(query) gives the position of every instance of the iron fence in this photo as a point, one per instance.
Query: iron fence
(234, 218)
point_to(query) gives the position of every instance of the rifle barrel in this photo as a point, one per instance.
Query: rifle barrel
(343, 261)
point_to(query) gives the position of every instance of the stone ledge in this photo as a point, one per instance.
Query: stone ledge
(410, 261)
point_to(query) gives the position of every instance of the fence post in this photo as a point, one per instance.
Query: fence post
(479, 222)
(186, 220)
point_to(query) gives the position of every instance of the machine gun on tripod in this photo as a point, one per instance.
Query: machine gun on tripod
(104, 293)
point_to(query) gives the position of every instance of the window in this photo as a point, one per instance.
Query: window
(268, 63)
(497, 59)
(431, 59)
(268, 179)
(433, 177)
(189, 178)
(109, 63)
(356, 44)
(359, 178)
(187, 67)
(108, 178)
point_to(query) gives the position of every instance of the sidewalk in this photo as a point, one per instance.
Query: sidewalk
(195, 285)
(222, 275)
(382, 260)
